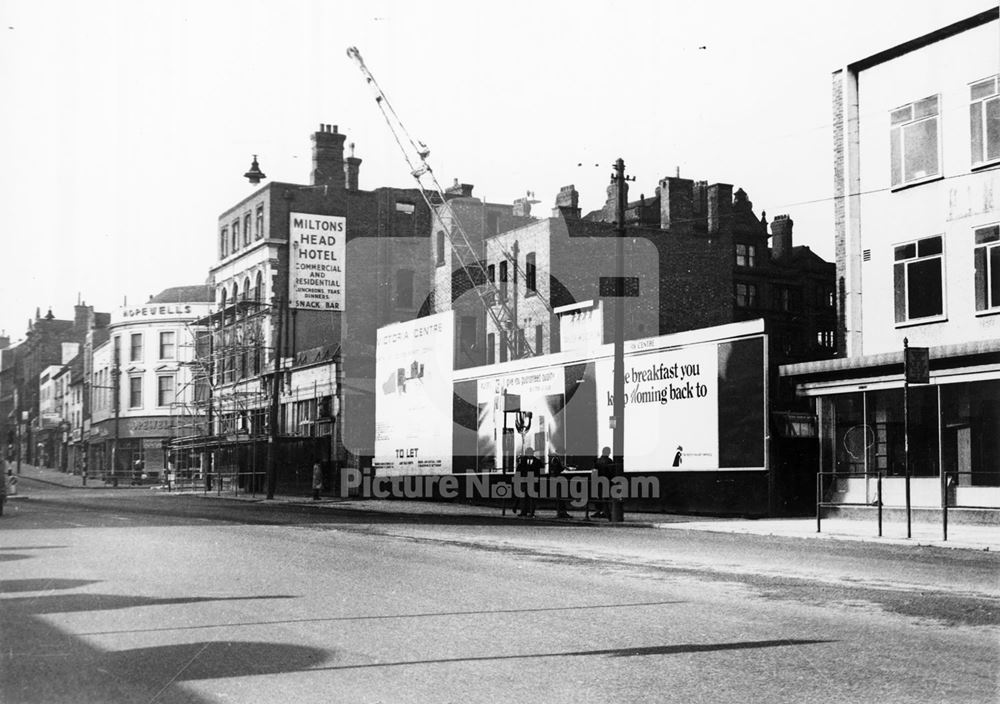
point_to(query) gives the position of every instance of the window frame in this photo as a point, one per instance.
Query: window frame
(750, 296)
(235, 228)
(978, 106)
(164, 334)
(224, 237)
(159, 389)
(134, 390)
(747, 257)
(986, 277)
(259, 234)
(530, 274)
(136, 352)
(897, 132)
(902, 260)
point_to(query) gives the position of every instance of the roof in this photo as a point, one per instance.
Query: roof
(926, 40)
(184, 294)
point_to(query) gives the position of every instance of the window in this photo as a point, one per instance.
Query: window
(236, 235)
(987, 262)
(135, 392)
(503, 346)
(918, 279)
(259, 234)
(246, 229)
(824, 338)
(246, 290)
(984, 120)
(746, 295)
(491, 348)
(786, 299)
(258, 287)
(539, 339)
(404, 288)
(530, 274)
(467, 335)
(746, 255)
(135, 347)
(914, 141)
(491, 273)
(164, 390)
(224, 242)
(503, 281)
(405, 208)
(440, 247)
(168, 345)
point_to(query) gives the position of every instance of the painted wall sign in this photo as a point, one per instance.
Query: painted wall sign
(316, 278)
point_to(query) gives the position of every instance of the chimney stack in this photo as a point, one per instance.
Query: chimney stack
(781, 237)
(352, 169)
(328, 157)
(459, 190)
(676, 196)
(720, 207)
(567, 203)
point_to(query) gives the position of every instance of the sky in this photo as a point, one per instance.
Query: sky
(126, 126)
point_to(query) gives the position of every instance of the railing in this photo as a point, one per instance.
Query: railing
(950, 486)
(235, 483)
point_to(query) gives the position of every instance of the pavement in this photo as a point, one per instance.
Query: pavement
(960, 536)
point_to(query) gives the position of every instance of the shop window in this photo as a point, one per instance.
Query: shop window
(404, 288)
(914, 142)
(746, 295)
(168, 345)
(987, 263)
(746, 255)
(164, 390)
(984, 120)
(259, 233)
(135, 392)
(918, 280)
(135, 347)
(530, 274)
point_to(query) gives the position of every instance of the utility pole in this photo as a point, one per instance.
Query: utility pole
(272, 422)
(618, 391)
(116, 374)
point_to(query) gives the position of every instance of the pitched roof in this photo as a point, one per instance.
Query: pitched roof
(184, 294)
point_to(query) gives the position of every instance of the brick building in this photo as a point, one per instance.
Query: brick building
(306, 273)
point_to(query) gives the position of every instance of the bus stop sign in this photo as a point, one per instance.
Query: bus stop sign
(917, 363)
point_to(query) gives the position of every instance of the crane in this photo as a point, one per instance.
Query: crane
(415, 153)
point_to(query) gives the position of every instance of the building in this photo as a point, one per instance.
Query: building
(21, 367)
(916, 174)
(143, 385)
(305, 275)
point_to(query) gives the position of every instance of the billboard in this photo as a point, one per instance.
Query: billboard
(318, 254)
(413, 389)
(670, 405)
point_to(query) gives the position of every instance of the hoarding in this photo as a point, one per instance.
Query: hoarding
(318, 253)
(413, 407)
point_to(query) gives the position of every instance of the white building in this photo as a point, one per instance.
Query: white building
(151, 350)
(917, 206)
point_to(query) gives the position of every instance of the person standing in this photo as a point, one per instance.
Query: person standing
(605, 467)
(529, 467)
(317, 483)
(3, 484)
(555, 469)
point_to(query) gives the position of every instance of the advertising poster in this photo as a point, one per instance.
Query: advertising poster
(318, 249)
(413, 406)
(540, 392)
(671, 409)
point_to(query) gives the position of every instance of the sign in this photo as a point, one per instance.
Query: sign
(670, 406)
(413, 402)
(917, 365)
(318, 253)
(160, 311)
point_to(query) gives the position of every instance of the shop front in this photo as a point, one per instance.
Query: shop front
(877, 431)
(135, 453)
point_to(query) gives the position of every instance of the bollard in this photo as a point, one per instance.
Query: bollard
(617, 511)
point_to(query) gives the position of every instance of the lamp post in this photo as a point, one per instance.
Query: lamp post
(618, 390)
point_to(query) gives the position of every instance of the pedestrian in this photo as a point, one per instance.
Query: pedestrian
(555, 469)
(605, 467)
(529, 467)
(678, 457)
(3, 486)
(317, 483)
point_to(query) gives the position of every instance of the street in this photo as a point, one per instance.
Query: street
(137, 596)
